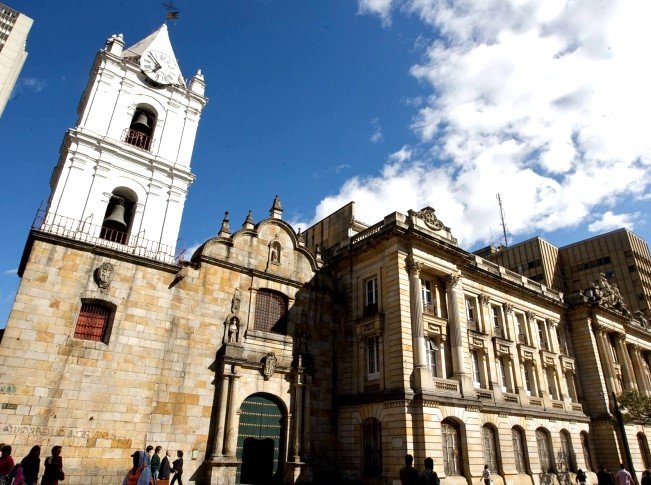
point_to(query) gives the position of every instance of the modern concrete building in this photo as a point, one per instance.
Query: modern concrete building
(272, 356)
(14, 27)
(620, 255)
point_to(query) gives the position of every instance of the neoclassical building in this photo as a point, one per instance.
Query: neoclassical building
(275, 356)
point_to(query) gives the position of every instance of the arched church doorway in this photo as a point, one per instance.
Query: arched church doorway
(260, 441)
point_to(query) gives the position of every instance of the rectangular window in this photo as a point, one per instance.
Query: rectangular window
(497, 320)
(503, 379)
(542, 341)
(373, 357)
(522, 328)
(551, 383)
(93, 322)
(528, 379)
(431, 352)
(428, 300)
(371, 291)
(476, 374)
(470, 309)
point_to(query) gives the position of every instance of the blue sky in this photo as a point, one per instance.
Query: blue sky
(395, 104)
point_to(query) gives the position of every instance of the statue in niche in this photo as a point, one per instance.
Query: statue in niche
(269, 367)
(274, 252)
(104, 275)
(233, 330)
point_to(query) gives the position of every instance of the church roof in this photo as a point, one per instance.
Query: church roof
(159, 40)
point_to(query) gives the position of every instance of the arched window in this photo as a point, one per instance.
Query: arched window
(567, 453)
(270, 312)
(644, 449)
(490, 447)
(587, 455)
(451, 448)
(372, 430)
(94, 321)
(118, 217)
(544, 450)
(519, 449)
(141, 128)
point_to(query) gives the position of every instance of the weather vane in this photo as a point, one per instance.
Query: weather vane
(172, 11)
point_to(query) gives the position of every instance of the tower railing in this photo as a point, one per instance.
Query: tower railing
(137, 139)
(96, 235)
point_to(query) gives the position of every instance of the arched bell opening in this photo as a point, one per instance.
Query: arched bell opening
(141, 128)
(118, 219)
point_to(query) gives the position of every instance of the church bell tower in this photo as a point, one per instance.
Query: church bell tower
(124, 170)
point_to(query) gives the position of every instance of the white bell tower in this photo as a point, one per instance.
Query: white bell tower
(124, 169)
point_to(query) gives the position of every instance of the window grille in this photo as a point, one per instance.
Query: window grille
(543, 451)
(490, 453)
(270, 312)
(518, 450)
(93, 322)
(451, 450)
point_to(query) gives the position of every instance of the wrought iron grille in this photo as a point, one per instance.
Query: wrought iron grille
(92, 323)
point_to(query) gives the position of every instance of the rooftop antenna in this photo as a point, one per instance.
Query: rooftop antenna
(499, 201)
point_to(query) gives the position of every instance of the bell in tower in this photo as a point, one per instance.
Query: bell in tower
(115, 226)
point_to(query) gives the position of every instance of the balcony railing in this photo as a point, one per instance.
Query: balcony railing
(101, 236)
(137, 139)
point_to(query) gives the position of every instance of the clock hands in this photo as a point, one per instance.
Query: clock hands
(158, 64)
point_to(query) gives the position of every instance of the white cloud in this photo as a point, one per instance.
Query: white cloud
(610, 221)
(28, 84)
(377, 135)
(381, 8)
(11, 271)
(528, 100)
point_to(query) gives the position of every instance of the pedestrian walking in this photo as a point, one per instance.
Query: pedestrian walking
(177, 468)
(53, 468)
(646, 477)
(165, 467)
(31, 466)
(486, 476)
(581, 477)
(623, 476)
(6, 464)
(155, 462)
(428, 476)
(140, 473)
(409, 474)
(604, 477)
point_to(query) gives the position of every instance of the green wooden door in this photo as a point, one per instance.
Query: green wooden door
(259, 441)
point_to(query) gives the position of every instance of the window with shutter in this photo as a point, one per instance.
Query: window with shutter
(93, 322)
(270, 312)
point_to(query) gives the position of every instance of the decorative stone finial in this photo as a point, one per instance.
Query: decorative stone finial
(198, 83)
(225, 230)
(115, 44)
(301, 237)
(317, 254)
(248, 222)
(276, 210)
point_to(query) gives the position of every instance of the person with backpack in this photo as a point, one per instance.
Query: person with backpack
(53, 468)
(581, 477)
(428, 476)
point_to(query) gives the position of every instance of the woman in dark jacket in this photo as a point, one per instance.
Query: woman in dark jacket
(31, 465)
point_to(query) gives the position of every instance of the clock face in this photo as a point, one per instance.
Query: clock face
(159, 67)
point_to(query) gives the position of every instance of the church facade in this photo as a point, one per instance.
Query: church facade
(271, 356)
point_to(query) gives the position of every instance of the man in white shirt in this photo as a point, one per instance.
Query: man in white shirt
(623, 477)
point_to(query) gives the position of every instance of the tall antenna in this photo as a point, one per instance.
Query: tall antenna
(506, 240)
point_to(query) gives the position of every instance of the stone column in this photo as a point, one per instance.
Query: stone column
(645, 356)
(459, 370)
(622, 355)
(484, 311)
(307, 425)
(230, 442)
(422, 375)
(637, 369)
(218, 444)
(441, 346)
(298, 417)
(605, 357)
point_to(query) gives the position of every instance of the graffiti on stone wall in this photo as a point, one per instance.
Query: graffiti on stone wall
(46, 431)
(8, 389)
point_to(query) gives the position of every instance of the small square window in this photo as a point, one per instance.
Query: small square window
(93, 322)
